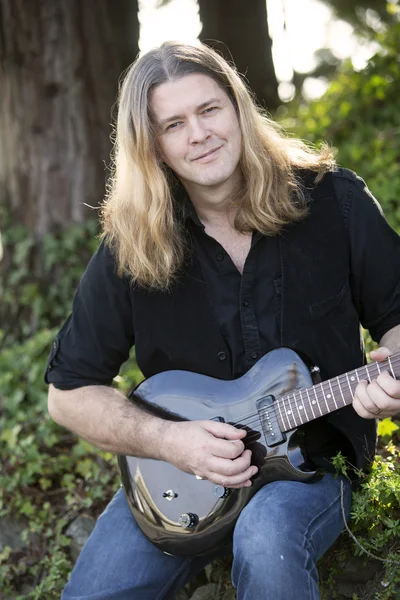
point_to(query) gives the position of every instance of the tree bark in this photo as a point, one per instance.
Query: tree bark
(242, 27)
(60, 61)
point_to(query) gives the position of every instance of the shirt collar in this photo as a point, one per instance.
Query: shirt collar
(184, 207)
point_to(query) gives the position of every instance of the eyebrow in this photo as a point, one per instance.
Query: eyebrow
(198, 108)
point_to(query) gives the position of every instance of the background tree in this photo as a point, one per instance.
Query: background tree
(60, 62)
(243, 31)
(59, 68)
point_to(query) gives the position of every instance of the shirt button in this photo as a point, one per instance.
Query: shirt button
(220, 256)
(254, 355)
(245, 303)
(222, 355)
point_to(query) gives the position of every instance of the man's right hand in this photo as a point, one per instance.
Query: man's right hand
(209, 449)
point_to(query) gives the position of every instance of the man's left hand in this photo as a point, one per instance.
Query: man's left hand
(381, 397)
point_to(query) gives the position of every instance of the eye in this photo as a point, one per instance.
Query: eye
(173, 126)
(210, 109)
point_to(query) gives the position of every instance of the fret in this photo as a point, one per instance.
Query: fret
(289, 412)
(310, 403)
(366, 372)
(370, 372)
(280, 414)
(358, 379)
(353, 380)
(299, 409)
(341, 392)
(323, 391)
(333, 395)
(378, 367)
(391, 367)
(305, 416)
(294, 418)
(350, 388)
(316, 400)
(286, 415)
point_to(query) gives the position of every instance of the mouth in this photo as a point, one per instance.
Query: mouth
(206, 154)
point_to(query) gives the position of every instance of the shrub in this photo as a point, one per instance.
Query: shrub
(359, 116)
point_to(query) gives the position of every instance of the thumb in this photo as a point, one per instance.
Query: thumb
(380, 354)
(224, 430)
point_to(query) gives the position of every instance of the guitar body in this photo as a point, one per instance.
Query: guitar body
(183, 515)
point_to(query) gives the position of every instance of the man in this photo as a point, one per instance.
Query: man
(223, 239)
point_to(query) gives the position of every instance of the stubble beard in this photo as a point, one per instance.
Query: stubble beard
(221, 174)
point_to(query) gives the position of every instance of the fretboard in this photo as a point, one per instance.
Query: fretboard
(307, 404)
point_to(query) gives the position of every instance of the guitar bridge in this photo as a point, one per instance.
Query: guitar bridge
(269, 421)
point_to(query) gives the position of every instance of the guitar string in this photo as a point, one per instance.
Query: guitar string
(256, 420)
(334, 384)
(283, 404)
(271, 411)
(298, 402)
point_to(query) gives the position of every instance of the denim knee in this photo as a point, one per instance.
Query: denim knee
(266, 542)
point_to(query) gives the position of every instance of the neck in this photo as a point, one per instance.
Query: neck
(302, 406)
(213, 204)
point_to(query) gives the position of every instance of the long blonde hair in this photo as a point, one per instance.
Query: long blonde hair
(139, 219)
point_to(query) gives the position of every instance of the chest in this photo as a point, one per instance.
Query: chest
(236, 244)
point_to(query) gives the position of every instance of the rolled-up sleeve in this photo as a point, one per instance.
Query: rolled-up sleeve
(96, 338)
(375, 258)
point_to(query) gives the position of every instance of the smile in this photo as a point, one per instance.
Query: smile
(207, 155)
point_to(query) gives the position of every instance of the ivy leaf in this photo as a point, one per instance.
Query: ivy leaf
(27, 508)
(386, 427)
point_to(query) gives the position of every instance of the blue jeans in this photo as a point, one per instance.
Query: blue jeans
(286, 527)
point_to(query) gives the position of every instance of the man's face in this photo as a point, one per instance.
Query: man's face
(198, 131)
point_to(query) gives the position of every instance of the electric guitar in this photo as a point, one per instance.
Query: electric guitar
(186, 516)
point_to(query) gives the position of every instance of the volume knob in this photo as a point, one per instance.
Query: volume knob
(220, 492)
(188, 520)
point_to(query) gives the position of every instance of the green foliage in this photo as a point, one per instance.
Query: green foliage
(375, 515)
(358, 14)
(41, 275)
(359, 116)
(386, 429)
(48, 475)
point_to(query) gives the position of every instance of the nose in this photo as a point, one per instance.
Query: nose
(197, 131)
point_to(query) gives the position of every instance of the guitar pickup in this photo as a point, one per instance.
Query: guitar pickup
(269, 421)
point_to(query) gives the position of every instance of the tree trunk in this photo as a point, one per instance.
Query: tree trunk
(60, 61)
(242, 27)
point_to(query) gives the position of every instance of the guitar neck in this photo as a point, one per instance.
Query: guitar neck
(301, 406)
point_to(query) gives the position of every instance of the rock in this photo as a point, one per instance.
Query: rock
(79, 530)
(182, 595)
(10, 533)
(206, 592)
(360, 569)
(358, 576)
(230, 594)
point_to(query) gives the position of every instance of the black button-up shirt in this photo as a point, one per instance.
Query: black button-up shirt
(246, 306)
(95, 340)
